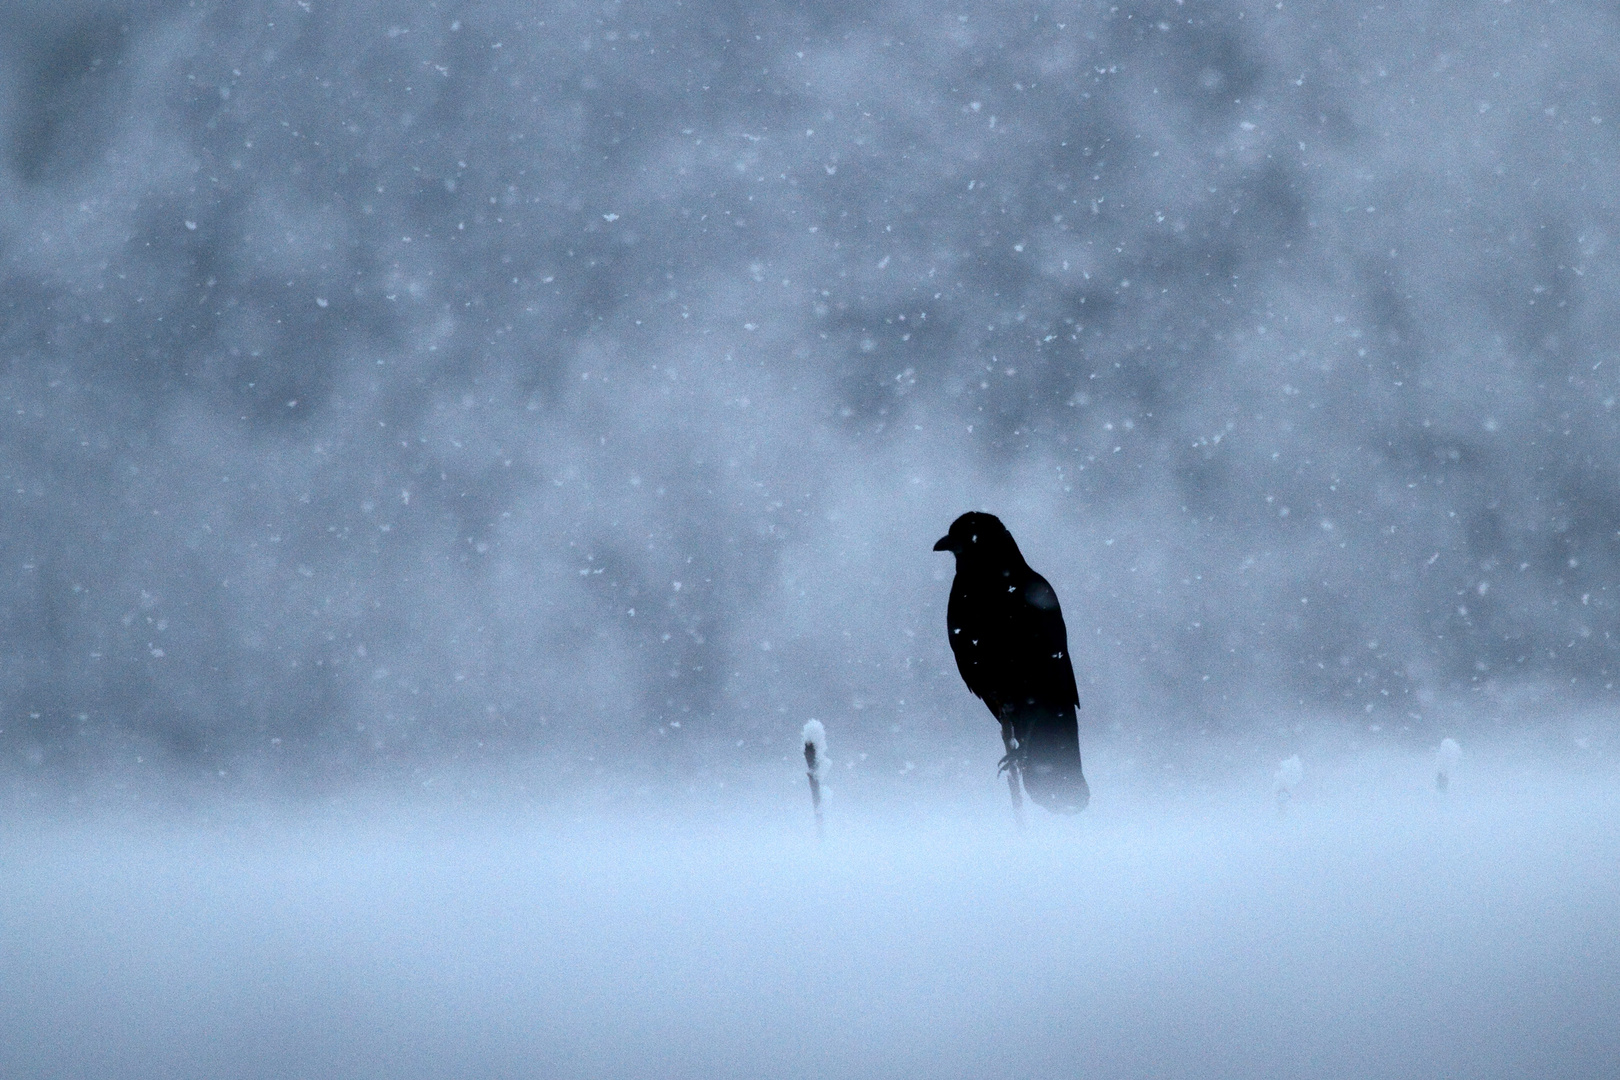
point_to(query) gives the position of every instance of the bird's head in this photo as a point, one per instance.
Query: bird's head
(977, 536)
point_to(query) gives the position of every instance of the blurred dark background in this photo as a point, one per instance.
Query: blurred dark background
(394, 383)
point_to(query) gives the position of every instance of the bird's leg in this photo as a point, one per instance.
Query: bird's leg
(1011, 765)
(1009, 740)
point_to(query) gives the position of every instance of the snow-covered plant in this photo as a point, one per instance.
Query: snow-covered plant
(1445, 763)
(1289, 774)
(815, 764)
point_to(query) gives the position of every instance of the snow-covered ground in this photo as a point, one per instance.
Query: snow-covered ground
(1371, 927)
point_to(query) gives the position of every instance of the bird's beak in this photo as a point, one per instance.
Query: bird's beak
(944, 544)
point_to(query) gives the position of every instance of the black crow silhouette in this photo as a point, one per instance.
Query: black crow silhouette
(1007, 633)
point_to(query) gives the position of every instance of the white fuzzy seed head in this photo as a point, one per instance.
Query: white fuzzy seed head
(1445, 763)
(815, 748)
(1289, 774)
(1449, 754)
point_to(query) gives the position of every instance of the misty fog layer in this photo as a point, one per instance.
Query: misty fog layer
(1374, 929)
(390, 383)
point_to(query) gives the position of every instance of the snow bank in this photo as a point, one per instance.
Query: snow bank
(1367, 934)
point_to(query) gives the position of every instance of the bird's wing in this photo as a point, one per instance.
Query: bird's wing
(1043, 713)
(1039, 650)
(1012, 648)
(1010, 642)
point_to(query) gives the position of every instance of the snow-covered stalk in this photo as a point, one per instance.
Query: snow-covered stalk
(1289, 774)
(1445, 763)
(1010, 766)
(1015, 788)
(815, 764)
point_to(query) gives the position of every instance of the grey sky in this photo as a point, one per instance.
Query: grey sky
(394, 381)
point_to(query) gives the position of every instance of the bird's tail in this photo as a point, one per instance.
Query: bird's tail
(1051, 760)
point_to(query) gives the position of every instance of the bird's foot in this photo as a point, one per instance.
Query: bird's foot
(1013, 759)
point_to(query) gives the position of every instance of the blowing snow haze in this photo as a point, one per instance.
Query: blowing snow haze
(386, 383)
